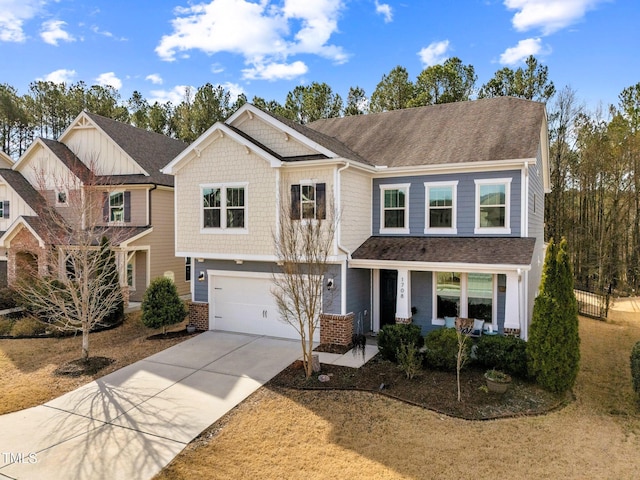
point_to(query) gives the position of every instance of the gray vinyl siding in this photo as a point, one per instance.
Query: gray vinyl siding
(466, 199)
(422, 300)
(331, 299)
(536, 229)
(359, 298)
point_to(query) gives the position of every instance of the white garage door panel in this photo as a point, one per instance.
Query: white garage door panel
(245, 304)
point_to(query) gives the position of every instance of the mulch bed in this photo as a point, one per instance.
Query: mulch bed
(79, 367)
(431, 389)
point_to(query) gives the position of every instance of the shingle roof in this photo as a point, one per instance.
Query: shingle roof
(476, 250)
(327, 141)
(150, 150)
(70, 160)
(500, 128)
(23, 188)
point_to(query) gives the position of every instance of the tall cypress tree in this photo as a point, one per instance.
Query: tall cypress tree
(554, 341)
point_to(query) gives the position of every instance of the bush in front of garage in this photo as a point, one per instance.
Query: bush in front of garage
(161, 305)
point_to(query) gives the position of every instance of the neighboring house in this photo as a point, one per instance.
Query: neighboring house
(121, 165)
(5, 160)
(440, 214)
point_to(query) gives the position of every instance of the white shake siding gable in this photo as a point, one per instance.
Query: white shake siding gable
(355, 208)
(225, 161)
(274, 139)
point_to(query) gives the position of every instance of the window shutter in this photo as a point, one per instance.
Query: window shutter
(127, 206)
(321, 201)
(295, 202)
(105, 206)
(5, 209)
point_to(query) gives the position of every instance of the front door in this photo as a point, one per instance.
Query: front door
(388, 292)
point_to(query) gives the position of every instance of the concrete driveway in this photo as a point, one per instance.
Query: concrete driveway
(132, 422)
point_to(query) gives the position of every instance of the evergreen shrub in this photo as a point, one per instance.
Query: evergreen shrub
(391, 337)
(508, 354)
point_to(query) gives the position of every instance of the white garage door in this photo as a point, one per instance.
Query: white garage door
(245, 304)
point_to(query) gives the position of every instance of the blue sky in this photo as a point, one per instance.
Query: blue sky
(266, 48)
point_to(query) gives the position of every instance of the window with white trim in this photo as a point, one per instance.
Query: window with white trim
(441, 199)
(116, 207)
(493, 198)
(62, 198)
(308, 201)
(394, 208)
(467, 295)
(224, 207)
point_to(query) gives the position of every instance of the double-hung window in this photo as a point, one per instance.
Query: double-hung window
(469, 295)
(394, 208)
(308, 201)
(441, 207)
(493, 206)
(224, 208)
(116, 207)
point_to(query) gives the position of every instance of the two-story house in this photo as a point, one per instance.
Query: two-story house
(439, 214)
(116, 163)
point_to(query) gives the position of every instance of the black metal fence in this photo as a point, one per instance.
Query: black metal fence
(593, 304)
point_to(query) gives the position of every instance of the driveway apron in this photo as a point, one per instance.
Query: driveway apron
(133, 422)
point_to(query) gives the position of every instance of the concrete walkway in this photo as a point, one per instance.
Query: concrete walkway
(131, 423)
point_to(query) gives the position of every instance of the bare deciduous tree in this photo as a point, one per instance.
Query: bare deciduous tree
(72, 287)
(303, 248)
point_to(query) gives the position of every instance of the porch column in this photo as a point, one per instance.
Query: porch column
(403, 297)
(513, 299)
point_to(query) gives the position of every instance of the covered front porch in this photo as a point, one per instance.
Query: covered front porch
(424, 281)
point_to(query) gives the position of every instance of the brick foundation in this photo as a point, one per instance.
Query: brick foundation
(336, 329)
(199, 315)
(404, 321)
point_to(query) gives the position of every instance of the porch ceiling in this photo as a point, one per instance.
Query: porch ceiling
(457, 250)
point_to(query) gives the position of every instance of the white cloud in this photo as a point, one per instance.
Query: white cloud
(385, 10)
(109, 79)
(548, 15)
(524, 48)
(154, 78)
(53, 31)
(435, 53)
(105, 33)
(275, 71)
(234, 90)
(59, 76)
(265, 33)
(175, 95)
(13, 15)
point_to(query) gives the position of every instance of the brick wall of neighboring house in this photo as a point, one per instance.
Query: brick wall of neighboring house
(199, 315)
(24, 242)
(336, 329)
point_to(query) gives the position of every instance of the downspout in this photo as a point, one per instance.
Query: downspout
(155, 185)
(343, 267)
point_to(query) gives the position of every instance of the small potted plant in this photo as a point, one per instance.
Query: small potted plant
(497, 381)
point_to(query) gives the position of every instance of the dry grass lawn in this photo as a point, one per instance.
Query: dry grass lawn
(27, 365)
(324, 435)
